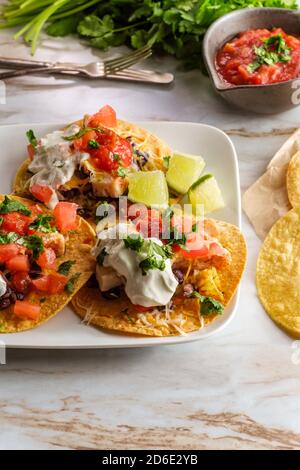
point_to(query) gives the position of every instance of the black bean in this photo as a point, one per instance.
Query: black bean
(92, 282)
(4, 303)
(20, 296)
(34, 274)
(179, 275)
(188, 290)
(13, 297)
(112, 294)
(70, 193)
(87, 188)
(82, 212)
(80, 174)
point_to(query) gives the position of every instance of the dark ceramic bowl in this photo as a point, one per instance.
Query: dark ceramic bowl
(265, 99)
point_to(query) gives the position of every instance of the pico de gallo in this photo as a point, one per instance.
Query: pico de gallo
(88, 159)
(163, 244)
(259, 57)
(32, 244)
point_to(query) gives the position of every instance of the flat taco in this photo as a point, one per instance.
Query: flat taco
(87, 161)
(160, 286)
(44, 259)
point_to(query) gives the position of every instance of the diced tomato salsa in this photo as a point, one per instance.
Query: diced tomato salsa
(27, 262)
(107, 149)
(237, 62)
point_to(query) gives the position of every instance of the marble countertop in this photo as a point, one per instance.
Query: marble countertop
(237, 390)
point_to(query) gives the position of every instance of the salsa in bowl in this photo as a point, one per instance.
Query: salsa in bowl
(253, 58)
(259, 57)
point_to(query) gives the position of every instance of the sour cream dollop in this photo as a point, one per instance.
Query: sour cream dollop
(55, 161)
(155, 287)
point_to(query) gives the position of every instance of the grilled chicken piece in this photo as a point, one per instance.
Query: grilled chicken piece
(106, 185)
(56, 241)
(107, 278)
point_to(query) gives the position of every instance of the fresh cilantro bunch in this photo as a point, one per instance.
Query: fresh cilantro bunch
(273, 50)
(173, 26)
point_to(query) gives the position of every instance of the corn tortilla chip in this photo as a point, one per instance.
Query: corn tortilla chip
(154, 146)
(293, 180)
(78, 247)
(278, 272)
(119, 314)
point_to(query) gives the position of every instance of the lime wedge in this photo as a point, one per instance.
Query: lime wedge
(149, 188)
(183, 171)
(206, 192)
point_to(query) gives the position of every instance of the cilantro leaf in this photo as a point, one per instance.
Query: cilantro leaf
(152, 263)
(134, 242)
(64, 268)
(166, 161)
(69, 287)
(93, 144)
(11, 205)
(33, 243)
(42, 224)
(122, 172)
(208, 304)
(81, 133)
(6, 238)
(64, 26)
(31, 137)
(273, 50)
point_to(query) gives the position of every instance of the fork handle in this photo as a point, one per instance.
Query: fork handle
(22, 72)
(21, 63)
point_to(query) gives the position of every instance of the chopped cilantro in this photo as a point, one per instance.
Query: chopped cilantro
(116, 157)
(11, 205)
(152, 249)
(122, 172)
(151, 262)
(272, 51)
(42, 224)
(134, 242)
(166, 161)
(93, 144)
(33, 243)
(6, 238)
(69, 287)
(81, 133)
(64, 268)
(208, 304)
(31, 138)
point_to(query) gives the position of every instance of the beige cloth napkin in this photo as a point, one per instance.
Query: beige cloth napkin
(266, 200)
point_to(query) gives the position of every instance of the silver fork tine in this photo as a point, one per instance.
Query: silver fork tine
(127, 62)
(137, 52)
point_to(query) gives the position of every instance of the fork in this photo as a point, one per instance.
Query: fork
(131, 75)
(92, 70)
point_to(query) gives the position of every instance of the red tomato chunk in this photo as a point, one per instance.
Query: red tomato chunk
(234, 58)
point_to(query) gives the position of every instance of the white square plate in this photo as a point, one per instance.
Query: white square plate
(65, 330)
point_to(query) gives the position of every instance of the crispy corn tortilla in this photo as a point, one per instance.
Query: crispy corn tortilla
(146, 141)
(293, 180)
(78, 247)
(278, 272)
(119, 315)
